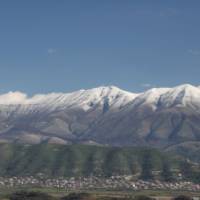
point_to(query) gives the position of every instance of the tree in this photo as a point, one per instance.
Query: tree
(134, 168)
(79, 196)
(186, 169)
(143, 197)
(166, 173)
(182, 197)
(147, 167)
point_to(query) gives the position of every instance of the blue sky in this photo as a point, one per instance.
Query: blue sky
(65, 45)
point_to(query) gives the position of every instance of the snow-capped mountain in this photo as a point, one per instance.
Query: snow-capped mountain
(83, 98)
(106, 115)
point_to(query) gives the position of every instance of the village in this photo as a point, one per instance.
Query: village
(92, 183)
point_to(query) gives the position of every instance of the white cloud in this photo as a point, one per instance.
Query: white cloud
(194, 52)
(51, 51)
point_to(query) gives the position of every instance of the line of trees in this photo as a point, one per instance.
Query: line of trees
(166, 174)
(147, 169)
(187, 170)
(30, 195)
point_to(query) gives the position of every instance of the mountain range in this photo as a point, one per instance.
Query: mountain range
(159, 117)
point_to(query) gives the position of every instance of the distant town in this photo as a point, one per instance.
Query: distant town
(92, 182)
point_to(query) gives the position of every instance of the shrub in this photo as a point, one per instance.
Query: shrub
(79, 196)
(23, 195)
(143, 197)
(182, 197)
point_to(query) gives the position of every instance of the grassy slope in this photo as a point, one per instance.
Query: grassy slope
(74, 160)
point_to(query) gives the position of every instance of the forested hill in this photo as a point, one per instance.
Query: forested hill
(77, 160)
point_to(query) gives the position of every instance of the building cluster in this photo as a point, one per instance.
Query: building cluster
(114, 182)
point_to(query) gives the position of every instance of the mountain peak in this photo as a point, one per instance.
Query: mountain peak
(185, 87)
(181, 95)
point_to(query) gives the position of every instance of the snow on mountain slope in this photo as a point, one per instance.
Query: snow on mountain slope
(150, 97)
(83, 99)
(182, 95)
(115, 97)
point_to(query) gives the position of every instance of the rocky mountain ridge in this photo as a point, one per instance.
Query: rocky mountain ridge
(103, 115)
